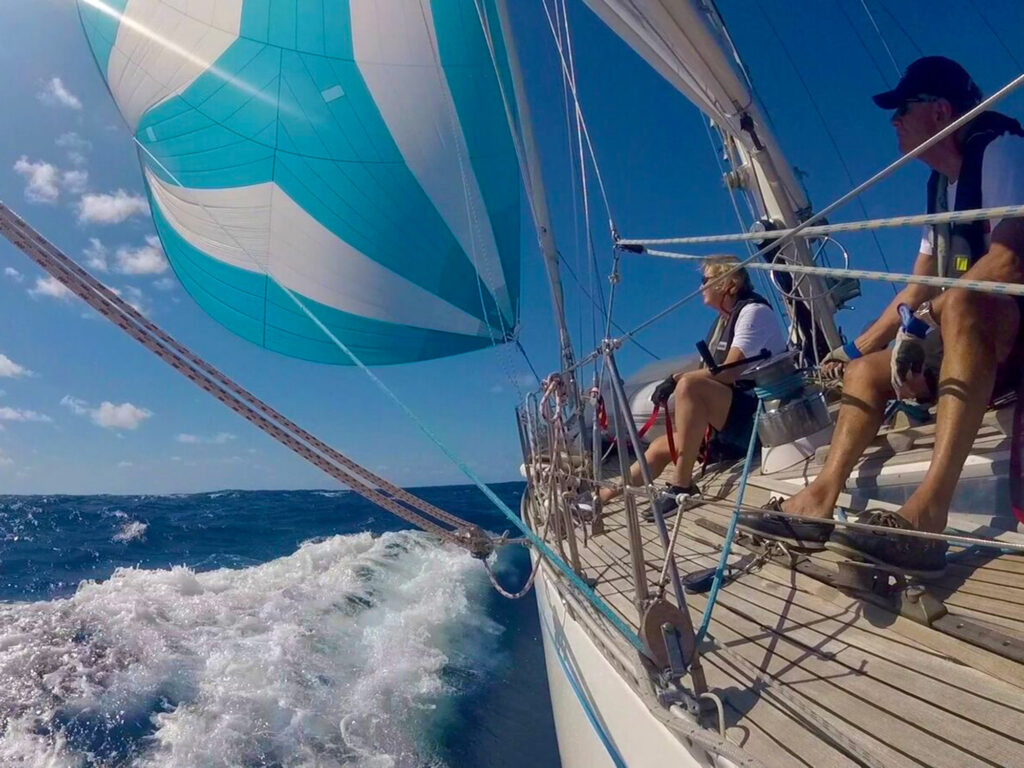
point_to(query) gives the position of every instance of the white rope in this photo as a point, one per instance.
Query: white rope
(982, 286)
(922, 219)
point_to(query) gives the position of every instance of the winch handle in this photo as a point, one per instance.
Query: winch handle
(715, 368)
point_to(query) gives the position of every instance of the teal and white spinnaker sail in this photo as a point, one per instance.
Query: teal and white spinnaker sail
(356, 152)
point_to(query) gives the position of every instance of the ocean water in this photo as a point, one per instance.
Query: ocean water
(262, 629)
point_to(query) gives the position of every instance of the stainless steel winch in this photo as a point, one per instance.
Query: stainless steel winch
(795, 419)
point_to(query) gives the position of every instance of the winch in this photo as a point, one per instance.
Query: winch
(795, 420)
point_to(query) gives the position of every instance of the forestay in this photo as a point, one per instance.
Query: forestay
(353, 153)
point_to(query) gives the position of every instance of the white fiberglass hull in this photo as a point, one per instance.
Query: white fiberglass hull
(581, 678)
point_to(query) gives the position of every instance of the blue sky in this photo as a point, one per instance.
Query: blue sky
(84, 409)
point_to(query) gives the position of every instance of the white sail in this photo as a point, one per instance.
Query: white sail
(677, 39)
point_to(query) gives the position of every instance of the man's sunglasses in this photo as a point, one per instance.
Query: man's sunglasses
(903, 108)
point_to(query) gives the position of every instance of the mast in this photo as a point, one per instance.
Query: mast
(533, 179)
(686, 42)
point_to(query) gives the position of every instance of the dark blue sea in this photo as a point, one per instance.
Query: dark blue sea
(262, 629)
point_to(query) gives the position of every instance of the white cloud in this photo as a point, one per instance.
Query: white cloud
(55, 94)
(51, 287)
(123, 416)
(108, 415)
(42, 180)
(5, 461)
(78, 407)
(112, 208)
(125, 464)
(11, 370)
(75, 146)
(18, 414)
(96, 255)
(14, 274)
(75, 182)
(218, 439)
(147, 259)
(165, 284)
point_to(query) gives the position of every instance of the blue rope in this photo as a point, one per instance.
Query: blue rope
(731, 534)
(588, 709)
(782, 388)
(543, 548)
(581, 585)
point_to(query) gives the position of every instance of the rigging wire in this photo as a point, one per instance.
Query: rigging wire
(579, 109)
(863, 44)
(615, 325)
(901, 28)
(881, 36)
(995, 33)
(577, 249)
(887, 171)
(824, 124)
(739, 219)
(566, 55)
(982, 286)
(569, 83)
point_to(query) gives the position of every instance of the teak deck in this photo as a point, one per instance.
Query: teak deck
(906, 694)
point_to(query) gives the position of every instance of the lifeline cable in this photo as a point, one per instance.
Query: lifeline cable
(982, 286)
(975, 214)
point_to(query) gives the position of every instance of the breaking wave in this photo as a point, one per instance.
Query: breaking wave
(341, 654)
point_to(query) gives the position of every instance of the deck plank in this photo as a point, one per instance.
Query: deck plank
(911, 703)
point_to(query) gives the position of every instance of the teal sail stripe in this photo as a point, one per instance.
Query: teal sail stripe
(283, 102)
(254, 307)
(101, 29)
(481, 111)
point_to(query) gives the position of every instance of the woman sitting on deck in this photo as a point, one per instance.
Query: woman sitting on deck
(703, 399)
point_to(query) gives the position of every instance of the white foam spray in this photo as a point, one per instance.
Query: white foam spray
(341, 654)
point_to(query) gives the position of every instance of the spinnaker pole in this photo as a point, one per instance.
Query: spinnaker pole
(533, 180)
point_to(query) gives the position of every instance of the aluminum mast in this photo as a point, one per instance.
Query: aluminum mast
(533, 179)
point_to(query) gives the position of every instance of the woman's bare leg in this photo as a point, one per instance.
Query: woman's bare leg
(658, 457)
(700, 401)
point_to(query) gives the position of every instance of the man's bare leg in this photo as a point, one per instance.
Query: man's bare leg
(866, 389)
(978, 332)
(699, 401)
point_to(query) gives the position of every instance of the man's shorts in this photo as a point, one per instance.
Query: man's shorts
(739, 423)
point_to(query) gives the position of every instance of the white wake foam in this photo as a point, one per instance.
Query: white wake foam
(336, 655)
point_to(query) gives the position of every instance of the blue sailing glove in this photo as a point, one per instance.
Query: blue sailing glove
(916, 358)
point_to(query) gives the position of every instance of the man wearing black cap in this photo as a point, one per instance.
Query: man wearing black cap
(959, 348)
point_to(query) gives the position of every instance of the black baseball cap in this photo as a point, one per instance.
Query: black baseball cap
(933, 76)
